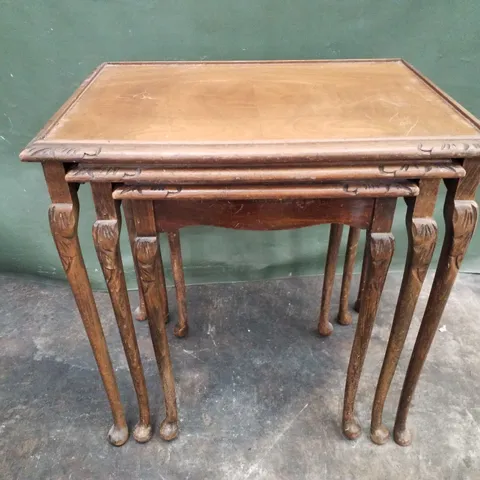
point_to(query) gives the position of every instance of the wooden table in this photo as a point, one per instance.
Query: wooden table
(298, 124)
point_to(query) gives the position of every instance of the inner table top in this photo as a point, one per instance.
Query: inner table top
(189, 111)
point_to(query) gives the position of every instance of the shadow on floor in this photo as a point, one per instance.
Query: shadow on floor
(259, 392)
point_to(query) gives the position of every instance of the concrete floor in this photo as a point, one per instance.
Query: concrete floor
(259, 393)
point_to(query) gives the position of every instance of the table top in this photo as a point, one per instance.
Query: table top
(237, 113)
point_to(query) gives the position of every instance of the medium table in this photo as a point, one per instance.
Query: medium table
(302, 124)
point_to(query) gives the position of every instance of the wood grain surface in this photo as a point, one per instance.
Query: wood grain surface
(239, 113)
(63, 215)
(262, 215)
(278, 192)
(232, 102)
(232, 176)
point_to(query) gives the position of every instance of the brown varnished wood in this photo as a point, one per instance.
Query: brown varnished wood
(181, 329)
(380, 247)
(363, 279)
(344, 317)
(63, 215)
(459, 108)
(70, 101)
(255, 102)
(422, 237)
(143, 209)
(249, 139)
(231, 176)
(461, 215)
(106, 236)
(258, 215)
(140, 312)
(324, 326)
(467, 188)
(380, 151)
(255, 113)
(262, 215)
(148, 257)
(248, 192)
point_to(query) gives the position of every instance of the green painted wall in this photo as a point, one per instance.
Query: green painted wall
(48, 47)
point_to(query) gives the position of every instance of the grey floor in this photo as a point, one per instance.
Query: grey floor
(259, 393)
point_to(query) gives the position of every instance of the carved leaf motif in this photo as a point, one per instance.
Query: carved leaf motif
(139, 190)
(416, 170)
(453, 149)
(147, 252)
(464, 221)
(53, 153)
(83, 172)
(114, 172)
(63, 219)
(356, 188)
(381, 246)
(106, 237)
(424, 233)
(132, 173)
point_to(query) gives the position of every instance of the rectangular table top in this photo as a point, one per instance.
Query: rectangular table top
(237, 113)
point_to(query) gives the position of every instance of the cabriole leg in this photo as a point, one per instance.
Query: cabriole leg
(460, 214)
(63, 216)
(106, 236)
(422, 237)
(344, 316)
(379, 248)
(324, 326)
(363, 278)
(140, 312)
(181, 329)
(147, 253)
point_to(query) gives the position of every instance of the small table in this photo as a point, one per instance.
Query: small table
(283, 123)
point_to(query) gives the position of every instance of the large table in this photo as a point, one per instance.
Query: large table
(212, 128)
